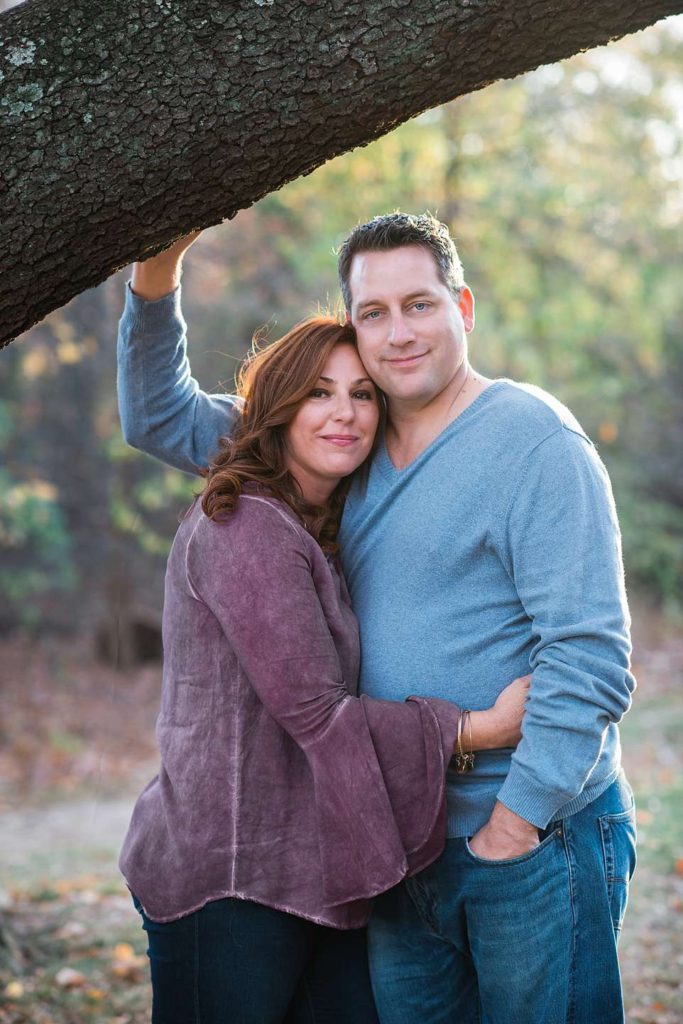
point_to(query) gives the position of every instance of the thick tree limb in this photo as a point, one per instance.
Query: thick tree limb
(123, 126)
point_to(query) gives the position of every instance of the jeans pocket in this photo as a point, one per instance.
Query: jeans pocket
(546, 842)
(618, 834)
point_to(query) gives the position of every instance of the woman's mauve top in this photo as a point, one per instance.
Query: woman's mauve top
(276, 784)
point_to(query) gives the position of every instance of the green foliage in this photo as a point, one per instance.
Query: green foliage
(148, 511)
(653, 540)
(36, 546)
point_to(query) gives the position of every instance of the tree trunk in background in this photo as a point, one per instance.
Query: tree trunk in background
(123, 127)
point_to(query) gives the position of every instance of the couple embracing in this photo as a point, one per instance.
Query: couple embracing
(380, 519)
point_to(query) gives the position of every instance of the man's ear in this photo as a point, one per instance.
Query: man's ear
(347, 317)
(466, 307)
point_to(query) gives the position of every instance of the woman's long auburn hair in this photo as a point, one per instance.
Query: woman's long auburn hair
(274, 381)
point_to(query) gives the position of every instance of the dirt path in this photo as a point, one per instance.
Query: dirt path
(62, 839)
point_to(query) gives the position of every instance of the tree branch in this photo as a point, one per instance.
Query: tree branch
(118, 134)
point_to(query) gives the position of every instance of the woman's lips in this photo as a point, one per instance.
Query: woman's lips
(341, 440)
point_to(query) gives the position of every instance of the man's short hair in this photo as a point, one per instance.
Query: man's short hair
(394, 230)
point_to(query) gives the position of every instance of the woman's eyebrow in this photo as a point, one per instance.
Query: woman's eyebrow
(361, 380)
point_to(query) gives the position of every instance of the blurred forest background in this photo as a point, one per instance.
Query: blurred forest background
(564, 192)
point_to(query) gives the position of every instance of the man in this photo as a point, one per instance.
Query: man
(484, 541)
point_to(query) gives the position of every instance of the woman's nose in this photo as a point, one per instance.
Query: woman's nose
(344, 410)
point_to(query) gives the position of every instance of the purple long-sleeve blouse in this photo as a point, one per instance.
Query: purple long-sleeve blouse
(277, 784)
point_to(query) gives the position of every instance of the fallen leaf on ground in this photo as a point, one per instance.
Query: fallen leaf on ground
(126, 964)
(128, 972)
(124, 951)
(69, 978)
(71, 930)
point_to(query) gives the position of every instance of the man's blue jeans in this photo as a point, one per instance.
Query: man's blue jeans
(532, 940)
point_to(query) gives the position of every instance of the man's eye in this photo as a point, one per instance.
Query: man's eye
(372, 315)
(420, 306)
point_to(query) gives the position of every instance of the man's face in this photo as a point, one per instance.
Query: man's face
(411, 329)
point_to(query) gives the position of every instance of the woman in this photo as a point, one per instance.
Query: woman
(283, 802)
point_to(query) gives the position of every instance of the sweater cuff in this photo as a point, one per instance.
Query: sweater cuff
(152, 314)
(529, 799)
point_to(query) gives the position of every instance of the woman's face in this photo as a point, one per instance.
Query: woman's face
(332, 431)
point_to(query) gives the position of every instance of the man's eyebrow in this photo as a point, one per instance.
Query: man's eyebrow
(368, 302)
(406, 298)
(361, 380)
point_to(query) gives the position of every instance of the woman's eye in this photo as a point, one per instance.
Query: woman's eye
(319, 393)
(365, 395)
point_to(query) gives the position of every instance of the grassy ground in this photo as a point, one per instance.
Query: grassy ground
(652, 944)
(73, 730)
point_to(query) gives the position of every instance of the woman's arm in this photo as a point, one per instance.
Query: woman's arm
(378, 767)
(255, 575)
(500, 725)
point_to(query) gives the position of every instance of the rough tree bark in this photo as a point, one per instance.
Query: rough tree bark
(122, 127)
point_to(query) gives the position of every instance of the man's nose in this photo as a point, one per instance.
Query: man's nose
(400, 331)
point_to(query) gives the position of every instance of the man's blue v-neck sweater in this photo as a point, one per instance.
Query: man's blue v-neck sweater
(493, 554)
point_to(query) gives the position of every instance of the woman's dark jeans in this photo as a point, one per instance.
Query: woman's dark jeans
(237, 962)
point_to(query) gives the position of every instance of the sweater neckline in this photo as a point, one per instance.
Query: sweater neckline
(384, 460)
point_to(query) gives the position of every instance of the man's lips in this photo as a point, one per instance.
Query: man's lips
(410, 360)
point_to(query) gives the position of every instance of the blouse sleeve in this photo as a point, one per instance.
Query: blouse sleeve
(378, 766)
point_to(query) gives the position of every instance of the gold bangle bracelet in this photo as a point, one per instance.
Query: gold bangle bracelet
(464, 759)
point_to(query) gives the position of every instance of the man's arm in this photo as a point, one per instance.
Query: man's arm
(563, 551)
(163, 410)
